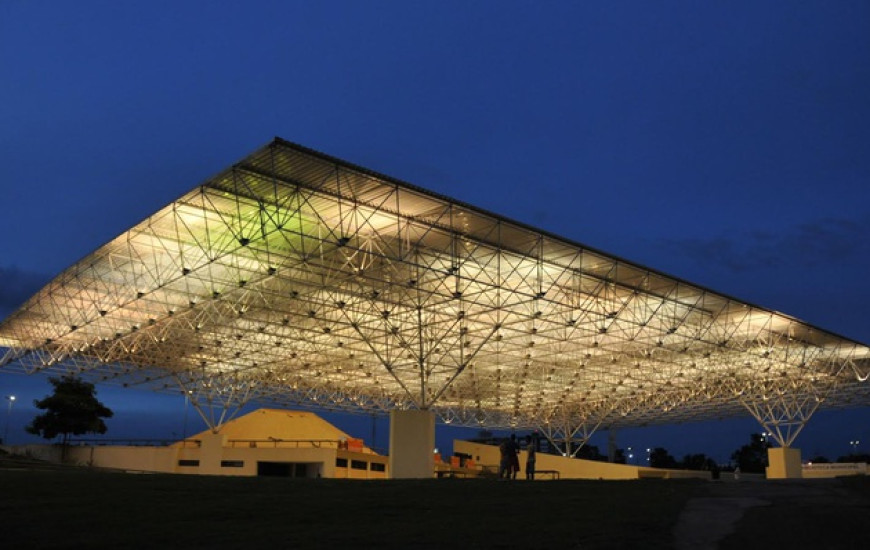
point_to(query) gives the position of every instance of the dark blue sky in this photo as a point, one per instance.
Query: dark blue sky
(726, 143)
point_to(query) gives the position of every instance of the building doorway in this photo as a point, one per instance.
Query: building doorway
(288, 469)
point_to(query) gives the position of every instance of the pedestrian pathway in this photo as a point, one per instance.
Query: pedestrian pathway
(801, 513)
(706, 521)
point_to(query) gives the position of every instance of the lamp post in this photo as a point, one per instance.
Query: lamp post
(11, 399)
(854, 445)
(187, 395)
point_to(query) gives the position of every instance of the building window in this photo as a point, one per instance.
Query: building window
(379, 467)
(188, 462)
(359, 465)
(341, 463)
(232, 463)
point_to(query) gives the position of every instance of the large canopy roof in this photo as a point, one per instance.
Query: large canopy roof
(294, 277)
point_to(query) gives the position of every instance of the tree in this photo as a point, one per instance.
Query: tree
(660, 458)
(752, 458)
(590, 452)
(71, 409)
(855, 457)
(619, 457)
(698, 462)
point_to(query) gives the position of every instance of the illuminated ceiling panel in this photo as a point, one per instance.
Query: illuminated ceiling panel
(297, 278)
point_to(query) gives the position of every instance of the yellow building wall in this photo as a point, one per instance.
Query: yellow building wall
(349, 472)
(324, 458)
(265, 435)
(165, 459)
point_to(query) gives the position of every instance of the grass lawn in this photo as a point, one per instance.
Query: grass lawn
(80, 508)
(45, 506)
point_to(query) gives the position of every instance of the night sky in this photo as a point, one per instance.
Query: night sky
(726, 144)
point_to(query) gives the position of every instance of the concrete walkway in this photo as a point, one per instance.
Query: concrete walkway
(818, 513)
(706, 521)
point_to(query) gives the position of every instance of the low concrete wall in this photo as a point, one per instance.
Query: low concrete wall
(826, 470)
(645, 472)
(48, 453)
(142, 459)
(572, 468)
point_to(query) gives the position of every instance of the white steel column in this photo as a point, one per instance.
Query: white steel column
(412, 444)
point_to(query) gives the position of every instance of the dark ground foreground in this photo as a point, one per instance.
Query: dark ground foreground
(75, 508)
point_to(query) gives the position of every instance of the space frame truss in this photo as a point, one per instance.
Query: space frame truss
(294, 278)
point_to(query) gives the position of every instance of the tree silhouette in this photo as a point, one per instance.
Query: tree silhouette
(71, 409)
(698, 462)
(660, 458)
(752, 458)
(591, 452)
(855, 457)
(619, 457)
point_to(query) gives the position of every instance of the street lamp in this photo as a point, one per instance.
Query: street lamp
(854, 445)
(187, 395)
(11, 399)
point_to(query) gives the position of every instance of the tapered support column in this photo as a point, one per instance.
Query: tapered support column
(784, 463)
(412, 442)
(211, 452)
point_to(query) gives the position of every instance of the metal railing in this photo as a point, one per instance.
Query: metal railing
(130, 442)
(276, 443)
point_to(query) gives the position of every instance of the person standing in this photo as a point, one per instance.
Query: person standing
(513, 456)
(504, 464)
(531, 457)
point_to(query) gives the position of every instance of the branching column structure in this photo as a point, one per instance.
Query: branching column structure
(571, 430)
(216, 402)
